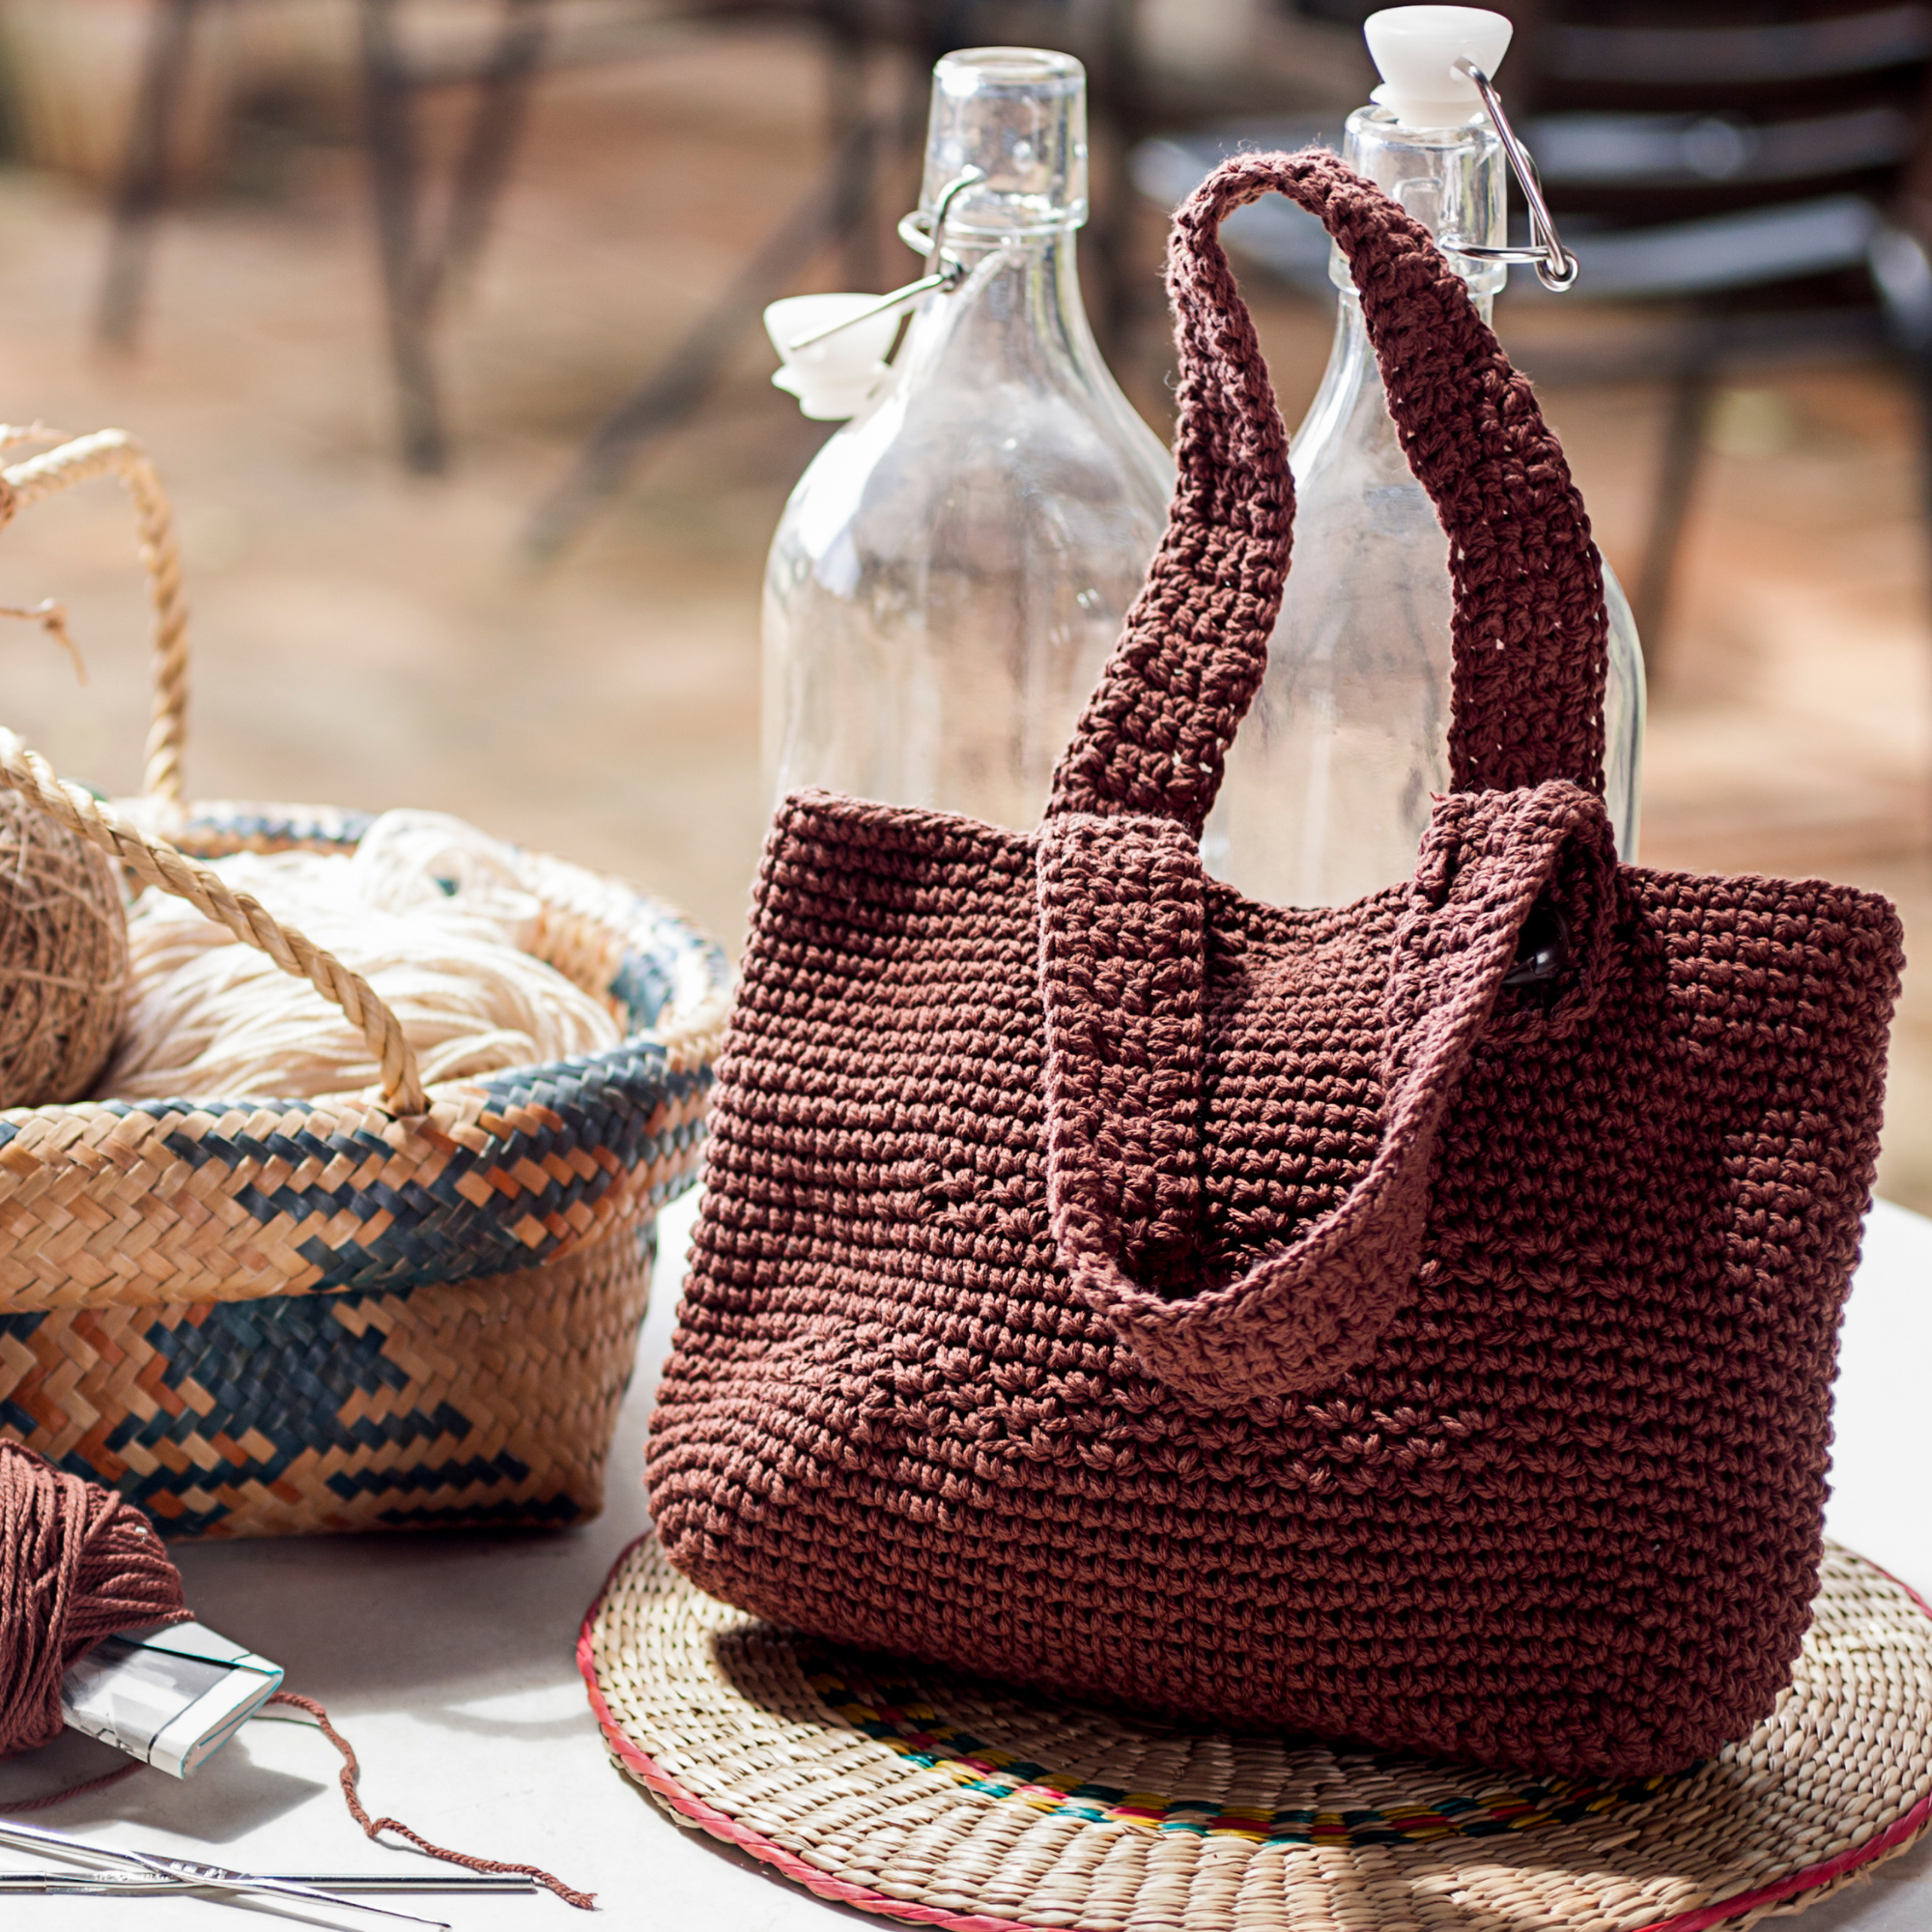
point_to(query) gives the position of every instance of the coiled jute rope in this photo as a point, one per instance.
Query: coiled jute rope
(63, 960)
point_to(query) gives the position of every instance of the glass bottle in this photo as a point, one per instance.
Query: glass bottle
(1328, 783)
(953, 567)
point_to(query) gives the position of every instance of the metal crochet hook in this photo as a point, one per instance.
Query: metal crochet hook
(1556, 266)
(192, 1872)
(948, 277)
(136, 1882)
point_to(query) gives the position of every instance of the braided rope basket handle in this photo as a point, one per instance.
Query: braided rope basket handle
(113, 452)
(155, 862)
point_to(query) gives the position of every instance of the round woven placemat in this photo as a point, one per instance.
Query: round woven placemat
(945, 1801)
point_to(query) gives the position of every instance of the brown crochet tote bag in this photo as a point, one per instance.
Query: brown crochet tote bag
(1309, 1319)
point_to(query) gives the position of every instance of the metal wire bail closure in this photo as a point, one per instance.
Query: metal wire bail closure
(1556, 266)
(924, 236)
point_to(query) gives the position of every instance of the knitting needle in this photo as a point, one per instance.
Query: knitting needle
(203, 1877)
(218, 1878)
(68, 1881)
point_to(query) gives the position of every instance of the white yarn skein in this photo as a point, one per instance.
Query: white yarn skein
(432, 912)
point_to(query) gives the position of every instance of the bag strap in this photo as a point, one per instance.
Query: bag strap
(1123, 981)
(1530, 632)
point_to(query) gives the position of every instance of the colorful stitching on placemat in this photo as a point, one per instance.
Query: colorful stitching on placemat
(918, 1735)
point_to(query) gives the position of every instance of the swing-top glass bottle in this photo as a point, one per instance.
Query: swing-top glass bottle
(953, 569)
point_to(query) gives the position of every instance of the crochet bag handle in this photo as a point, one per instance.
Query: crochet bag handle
(1530, 631)
(1123, 913)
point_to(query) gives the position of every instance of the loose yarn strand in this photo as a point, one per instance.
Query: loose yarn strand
(78, 1563)
(352, 1771)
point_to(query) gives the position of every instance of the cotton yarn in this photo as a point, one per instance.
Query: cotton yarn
(77, 1563)
(63, 960)
(431, 911)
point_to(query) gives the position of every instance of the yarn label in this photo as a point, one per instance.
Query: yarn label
(171, 1696)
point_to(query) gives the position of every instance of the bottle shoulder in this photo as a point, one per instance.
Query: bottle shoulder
(926, 451)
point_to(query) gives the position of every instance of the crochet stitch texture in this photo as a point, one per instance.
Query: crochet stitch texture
(1264, 1316)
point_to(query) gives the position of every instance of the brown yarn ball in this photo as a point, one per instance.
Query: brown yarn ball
(63, 958)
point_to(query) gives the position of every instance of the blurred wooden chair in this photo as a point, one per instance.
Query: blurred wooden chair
(1129, 95)
(832, 209)
(424, 262)
(420, 266)
(1759, 169)
(864, 146)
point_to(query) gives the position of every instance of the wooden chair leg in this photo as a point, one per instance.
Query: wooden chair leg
(1116, 93)
(390, 133)
(837, 199)
(504, 89)
(845, 109)
(1901, 272)
(1683, 456)
(142, 190)
(1915, 355)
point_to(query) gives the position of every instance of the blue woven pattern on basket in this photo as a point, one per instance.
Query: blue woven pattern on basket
(282, 1372)
(277, 827)
(642, 986)
(361, 1410)
(605, 1104)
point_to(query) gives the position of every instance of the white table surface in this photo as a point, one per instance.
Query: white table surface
(448, 1660)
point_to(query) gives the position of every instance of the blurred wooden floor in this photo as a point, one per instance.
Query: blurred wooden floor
(368, 640)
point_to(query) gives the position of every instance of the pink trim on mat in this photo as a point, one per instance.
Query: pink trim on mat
(720, 1826)
(1812, 1877)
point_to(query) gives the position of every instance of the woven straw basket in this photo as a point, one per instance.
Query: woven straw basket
(273, 1319)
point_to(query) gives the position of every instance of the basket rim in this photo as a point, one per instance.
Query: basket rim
(105, 1203)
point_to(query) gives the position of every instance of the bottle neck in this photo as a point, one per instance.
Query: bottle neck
(1005, 145)
(1452, 180)
(1019, 307)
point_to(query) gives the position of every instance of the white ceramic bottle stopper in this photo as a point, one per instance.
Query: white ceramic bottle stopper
(1415, 49)
(837, 376)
